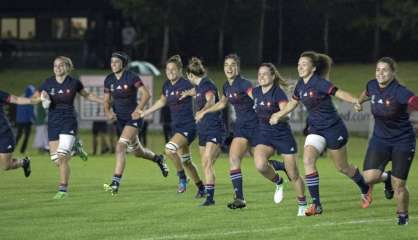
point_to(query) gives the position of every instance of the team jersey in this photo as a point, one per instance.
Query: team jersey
(211, 121)
(389, 107)
(181, 110)
(265, 104)
(62, 97)
(4, 123)
(123, 92)
(237, 95)
(316, 96)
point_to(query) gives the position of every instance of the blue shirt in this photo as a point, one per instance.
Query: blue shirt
(316, 96)
(4, 123)
(181, 110)
(213, 120)
(389, 107)
(265, 105)
(124, 93)
(237, 95)
(62, 97)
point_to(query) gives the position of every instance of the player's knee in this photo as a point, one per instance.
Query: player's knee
(186, 159)
(65, 146)
(171, 148)
(122, 145)
(261, 166)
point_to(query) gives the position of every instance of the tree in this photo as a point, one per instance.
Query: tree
(280, 32)
(261, 31)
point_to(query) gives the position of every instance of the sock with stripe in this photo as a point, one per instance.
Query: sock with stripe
(63, 187)
(236, 179)
(210, 191)
(312, 181)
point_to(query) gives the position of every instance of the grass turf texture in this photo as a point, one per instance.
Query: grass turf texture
(148, 207)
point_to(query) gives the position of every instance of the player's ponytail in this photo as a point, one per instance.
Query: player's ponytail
(278, 80)
(176, 59)
(321, 61)
(196, 67)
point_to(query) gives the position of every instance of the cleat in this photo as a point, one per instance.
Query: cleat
(201, 193)
(388, 187)
(26, 166)
(78, 150)
(366, 199)
(237, 204)
(60, 195)
(207, 203)
(313, 210)
(278, 194)
(403, 220)
(302, 210)
(112, 188)
(182, 186)
(162, 164)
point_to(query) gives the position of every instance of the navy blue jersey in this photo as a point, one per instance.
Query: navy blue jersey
(124, 93)
(181, 110)
(390, 110)
(316, 96)
(265, 104)
(213, 120)
(4, 123)
(237, 95)
(62, 97)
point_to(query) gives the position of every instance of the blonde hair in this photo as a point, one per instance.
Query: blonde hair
(176, 59)
(321, 61)
(196, 67)
(68, 63)
(278, 79)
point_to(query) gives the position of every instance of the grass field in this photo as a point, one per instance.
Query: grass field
(148, 207)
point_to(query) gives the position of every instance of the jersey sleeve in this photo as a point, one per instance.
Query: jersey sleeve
(4, 97)
(224, 90)
(296, 95)
(79, 86)
(42, 87)
(106, 88)
(280, 96)
(137, 82)
(404, 95)
(368, 88)
(247, 87)
(326, 87)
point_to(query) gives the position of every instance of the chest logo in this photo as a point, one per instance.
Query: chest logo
(60, 91)
(119, 87)
(380, 101)
(125, 86)
(305, 94)
(53, 91)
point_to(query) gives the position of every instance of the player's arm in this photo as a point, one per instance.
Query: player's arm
(213, 108)
(90, 96)
(157, 105)
(107, 107)
(361, 99)
(20, 100)
(145, 97)
(346, 96)
(190, 92)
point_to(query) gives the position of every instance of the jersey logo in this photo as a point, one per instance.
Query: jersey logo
(68, 91)
(186, 134)
(72, 131)
(213, 139)
(198, 95)
(125, 86)
(119, 87)
(262, 103)
(268, 104)
(387, 102)
(135, 124)
(235, 95)
(292, 149)
(305, 94)
(60, 91)
(380, 101)
(52, 91)
(9, 147)
(230, 95)
(166, 93)
(311, 93)
(340, 138)
(172, 93)
(372, 100)
(112, 88)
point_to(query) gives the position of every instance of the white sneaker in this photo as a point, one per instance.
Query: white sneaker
(278, 194)
(301, 210)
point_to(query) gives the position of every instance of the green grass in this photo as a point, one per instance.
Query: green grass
(148, 207)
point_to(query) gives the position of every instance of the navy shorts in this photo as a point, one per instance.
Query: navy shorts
(69, 127)
(187, 130)
(216, 137)
(121, 123)
(246, 132)
(283, 143)
(99, 127)
(7, 142)
(380, 152)
(336, 136)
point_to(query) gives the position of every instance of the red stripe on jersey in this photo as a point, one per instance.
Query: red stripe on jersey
(138, 83)
(8, 99)
(332, 90)
(413, 103)
(295, 98)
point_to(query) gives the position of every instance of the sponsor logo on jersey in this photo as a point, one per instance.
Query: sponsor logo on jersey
(213, 139)
(340, 138)
(9, 147)
(186, 134)
(60, 91)
(119, 87)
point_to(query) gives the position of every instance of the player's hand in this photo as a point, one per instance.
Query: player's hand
(111, 117)
(276, 117)
(136, 114)
(358, 106)
(199, 115)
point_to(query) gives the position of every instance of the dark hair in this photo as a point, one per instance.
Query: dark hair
(196, 67)
(321, 61)
(122, 56)
(389, 61)
(234, 57)
(176, 59)
(278, 79)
